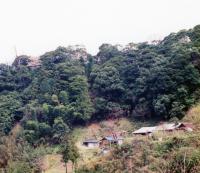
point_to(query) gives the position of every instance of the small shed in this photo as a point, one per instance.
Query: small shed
(91, 143)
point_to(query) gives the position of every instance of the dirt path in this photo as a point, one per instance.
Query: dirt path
(52, 163)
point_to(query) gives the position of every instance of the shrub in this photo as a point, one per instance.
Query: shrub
(186, 160)
(19, 167)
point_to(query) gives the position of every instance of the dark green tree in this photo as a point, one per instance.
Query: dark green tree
(70, 152)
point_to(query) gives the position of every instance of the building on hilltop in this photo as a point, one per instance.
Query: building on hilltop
(34, 62)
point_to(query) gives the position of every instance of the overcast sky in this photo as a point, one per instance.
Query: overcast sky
(38, 26)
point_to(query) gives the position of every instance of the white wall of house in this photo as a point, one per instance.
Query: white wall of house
(92, 145)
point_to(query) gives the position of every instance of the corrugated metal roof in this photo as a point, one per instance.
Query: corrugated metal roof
(162, 127)
(111, 138)
(170, 126)
(144, 130)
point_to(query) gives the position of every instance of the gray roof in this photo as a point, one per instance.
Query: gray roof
(170, 126)
(144, 130)
(90, 141)
(111, 138)
(162, 127)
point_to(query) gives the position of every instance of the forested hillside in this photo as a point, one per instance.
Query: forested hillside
(50, 94)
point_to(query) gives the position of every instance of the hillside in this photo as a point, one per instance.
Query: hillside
(67, 95)
(90, 156)
(52, 163)
(169, 152)
(149, 154)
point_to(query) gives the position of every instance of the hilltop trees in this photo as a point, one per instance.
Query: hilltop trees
(60, 94)
(150, 80)
(54, 95)
(69, 87)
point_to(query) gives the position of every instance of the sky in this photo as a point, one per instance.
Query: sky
(37, 26)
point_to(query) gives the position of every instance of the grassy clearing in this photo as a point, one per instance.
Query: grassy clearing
(53, 162)
(99, 130)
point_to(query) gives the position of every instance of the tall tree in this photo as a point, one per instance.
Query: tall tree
(70, 152)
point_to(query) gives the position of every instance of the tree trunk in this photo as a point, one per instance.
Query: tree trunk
(66, 167)
(3, 170)
(72, 167)
(75, 166)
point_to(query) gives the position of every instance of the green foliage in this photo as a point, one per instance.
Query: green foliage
(69, 151)
(63, 97)
(30, 135)
(19, 167)
(48, 100)
(44, 130)
(54, 99)
(186, 160)
(79, 96)
(171, 144)
(158, 81)
(32, 125)
(59, 129)
(71, 87)
(9, 105)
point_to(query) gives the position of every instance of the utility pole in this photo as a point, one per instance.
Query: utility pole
(15, 52)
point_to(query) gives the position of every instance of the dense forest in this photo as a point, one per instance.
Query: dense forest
(51, 94)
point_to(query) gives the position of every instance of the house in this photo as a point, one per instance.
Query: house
(186, 126)
(168, 127)
(108, 140)
(91, 143)
(174, 126)
(144, 131)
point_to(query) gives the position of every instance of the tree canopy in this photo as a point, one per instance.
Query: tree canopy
(65, 87)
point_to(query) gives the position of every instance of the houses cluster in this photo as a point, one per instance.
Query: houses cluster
(167, 127)
(117, 139)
